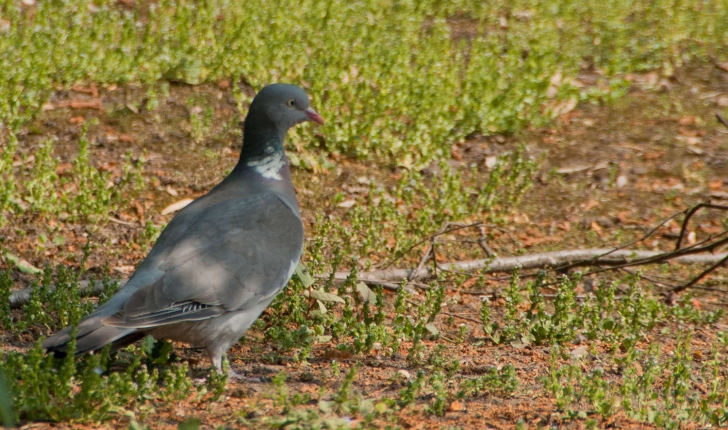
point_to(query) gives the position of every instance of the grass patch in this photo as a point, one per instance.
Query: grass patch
(38, 185)
(397, 80)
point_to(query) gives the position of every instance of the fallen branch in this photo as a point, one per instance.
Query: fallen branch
(578, 257)
(390, 278)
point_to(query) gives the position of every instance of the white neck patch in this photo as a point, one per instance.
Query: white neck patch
(269, 166)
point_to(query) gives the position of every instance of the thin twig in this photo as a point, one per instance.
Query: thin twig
(700, 287)
(483, 244)
(696, 279)
(649, 278)
(627, 245)
(666, 256)
(691, 212)
(514, 242)
(476, 293)
(462, 317)
(434, 257)
(721, 119)
(422, 263)
(429, 238)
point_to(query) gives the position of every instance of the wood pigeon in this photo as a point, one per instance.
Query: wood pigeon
(222, 260)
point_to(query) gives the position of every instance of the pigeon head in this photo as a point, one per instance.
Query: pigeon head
(284, 105)
(275, 109)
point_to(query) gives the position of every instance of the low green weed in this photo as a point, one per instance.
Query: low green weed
(46, 388)
(403, 81)
(85, 192)
(666, 390)
(387, 222)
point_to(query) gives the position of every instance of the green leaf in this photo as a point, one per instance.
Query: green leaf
(322, 307)
(303, 274)
(432, 329)
(325, 406)
(381, 407)
(7, 417)
(366, 293)
(190, 424)
(22, 264)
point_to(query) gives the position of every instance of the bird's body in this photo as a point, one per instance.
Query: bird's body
(221, 261)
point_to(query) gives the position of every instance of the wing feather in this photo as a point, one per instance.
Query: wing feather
(232, 257)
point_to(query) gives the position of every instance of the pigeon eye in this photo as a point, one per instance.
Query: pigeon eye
(291, 103)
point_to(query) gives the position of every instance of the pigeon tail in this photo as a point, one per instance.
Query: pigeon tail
(92, 335)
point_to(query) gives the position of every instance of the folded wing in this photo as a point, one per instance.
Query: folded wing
(238, 254)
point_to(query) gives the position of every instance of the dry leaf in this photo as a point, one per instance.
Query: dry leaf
(578, 352)
(715, 185)
(124, 269)
(174, 207)
(336, 354)
(687, 120)
(573, 169)
(652, 155)
(457, 406)
(591, 204)
(595, 226)
(346, 204)
(565, 107)
(81, 104)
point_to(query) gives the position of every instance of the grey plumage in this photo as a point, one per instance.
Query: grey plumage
(223, 258)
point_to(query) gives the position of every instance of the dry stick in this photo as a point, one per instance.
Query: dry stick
(434, 258)
(422, 262)
(389, 279)
(627, 245)
(721, 119)
(581, 257)
(427, 239)
(660, 257)
(700, 287)
(484, 244)
(431, 251)
(701, 276)
(462, 317)
(691, 212)
(649, 278)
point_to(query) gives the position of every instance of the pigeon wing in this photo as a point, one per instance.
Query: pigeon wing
(239, 253)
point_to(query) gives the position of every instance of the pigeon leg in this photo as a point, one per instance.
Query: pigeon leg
(216, 359)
